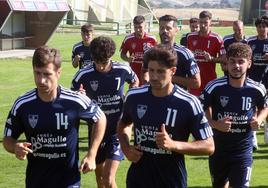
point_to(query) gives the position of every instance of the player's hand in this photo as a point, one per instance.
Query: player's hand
(131, 58)
(224, 125)
(163, 140)
(255, 124)
(22, 150)
(82, 90)
(87, 164)
(77, 58)
(208, 57)
(133, 153)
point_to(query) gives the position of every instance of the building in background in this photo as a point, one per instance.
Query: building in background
(99, 11)
(29, 23)
(252, 9)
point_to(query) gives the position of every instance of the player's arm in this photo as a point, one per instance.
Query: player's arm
(132, 79)
(197, 147)
(125, 57)
(135, 83)
(75, 59)
(131, 152)
(20, 149)
(189, 82)
(98, 130)
(124, 53)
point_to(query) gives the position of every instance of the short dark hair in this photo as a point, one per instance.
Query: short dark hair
(44, 55)
(168, 18)
(87, 28)
(205, 14)
(102, 48)
(239, 49)
(163, 54)
(263, 20)
(138, 19)
(193, 20)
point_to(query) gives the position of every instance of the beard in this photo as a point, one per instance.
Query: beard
(237, 77)
(164, 39)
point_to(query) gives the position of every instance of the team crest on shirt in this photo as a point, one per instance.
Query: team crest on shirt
(194, 42)
(141, 110)
(253, 47)
(265, 48)
(224, 100)
(33, 119)
(133, 46)
(94, 85)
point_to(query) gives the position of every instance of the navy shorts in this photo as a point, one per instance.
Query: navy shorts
(109, 149)
(237, 172)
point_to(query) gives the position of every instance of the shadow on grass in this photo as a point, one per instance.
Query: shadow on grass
(83, 149)
(261, 158)
(263, 151)
(83, 139)
(200, 158)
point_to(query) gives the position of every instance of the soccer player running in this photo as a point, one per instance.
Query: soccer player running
(135, 44)
(208, 50)
(103, 82)
(237, 36)
(81, 55)
(49, 117)
(259, 46)
(235, 106)
(194, 27)
(187, 73)
(163, 116)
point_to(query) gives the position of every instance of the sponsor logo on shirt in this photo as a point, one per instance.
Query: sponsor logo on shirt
(48, 141)
(204, 120)
(239, 121)
(146, 135)
(108, 100)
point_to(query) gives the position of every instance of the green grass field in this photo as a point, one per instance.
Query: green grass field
(16, 78)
